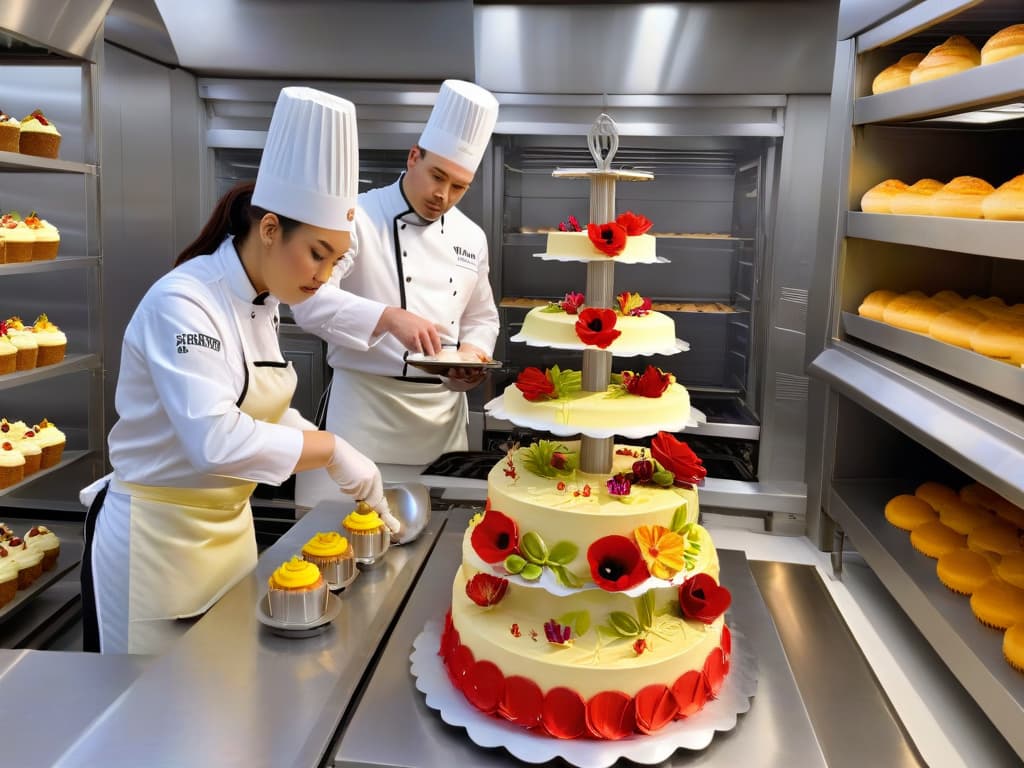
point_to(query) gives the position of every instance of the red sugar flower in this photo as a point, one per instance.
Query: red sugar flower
(714, 671)
(495, 537)
(608, 238)
(619, 485)
(633, 304)
(678, 458)
(633, 223)
(651, 383)
(616, 564)
(486, 590)
(701, 598)
(691, 693)
(597, 327)
(535, 384)
(571, 303)
(655, 708)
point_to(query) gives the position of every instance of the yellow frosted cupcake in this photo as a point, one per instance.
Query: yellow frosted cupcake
(17, 238)
(12, 465)
(963, 571)
(12, 430)
(369, 536)
(297, 592)
(47, 238)
(51, 340)
(10, 133)
(24, 340)
(39, 136)
(46, 541)
(331, 553)
(29, 448)
(51, 440)
(8, 352)
(998, 604)
(30, 561)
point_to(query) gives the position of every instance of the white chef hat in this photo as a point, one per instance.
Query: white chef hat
(460, 124)
(310, 166)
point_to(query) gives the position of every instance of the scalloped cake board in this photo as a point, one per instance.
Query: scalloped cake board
(679, 346)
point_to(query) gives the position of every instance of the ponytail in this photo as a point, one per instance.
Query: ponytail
(234, 215)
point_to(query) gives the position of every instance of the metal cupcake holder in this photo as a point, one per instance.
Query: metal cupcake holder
(367, 548)
(297, 606)
(338, 574)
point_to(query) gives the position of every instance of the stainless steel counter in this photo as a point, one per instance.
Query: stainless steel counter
(238, 695)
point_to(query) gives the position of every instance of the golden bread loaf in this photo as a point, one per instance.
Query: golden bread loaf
(911, 313)
(1007, 202)
(956, 326)
(1004, 44)
(993, 306)
(961, 198)
(955, 55)
(915, 200)
(1001, 338)
(879, 197)
(948, 298)
(874, 304)
(897, 75)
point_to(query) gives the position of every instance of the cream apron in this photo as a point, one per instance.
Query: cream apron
(189, 546)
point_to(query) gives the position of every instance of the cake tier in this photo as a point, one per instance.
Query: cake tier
(511, 634)
(597, 414)
(650, 334)
(577, 246)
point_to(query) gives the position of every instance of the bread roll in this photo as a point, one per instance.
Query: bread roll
(896, 75)
(956, 326)
(1001, 338)
(1007, 202)
(955, 55)
(874, 304)
(878, 198)
(951, 299)
(911, 313)
(1004, 44)
(961, 198)
(991, 307)
(915, 200)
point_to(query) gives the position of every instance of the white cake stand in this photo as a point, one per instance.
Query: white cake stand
(696, 732)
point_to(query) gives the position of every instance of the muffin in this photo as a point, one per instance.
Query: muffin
(51, 340)
(51, 440)
(47, 238)
(12, 430)
(330, 553)
(297, 592)
(12, 465)
(30, 561)
(963, 571)
(8, 352)
(1013, 646)
(39, 136)
(369, 536)
(8, 576)
(908, 512)
(998, 604)
(43, 539)
(29, 448)
(935, 539)
(1011, 569)
(936, 495)
(10, 133)
(25, 341)
(17, 238)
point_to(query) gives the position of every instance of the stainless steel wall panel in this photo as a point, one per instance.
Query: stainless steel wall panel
(59, 25)
(858, 15)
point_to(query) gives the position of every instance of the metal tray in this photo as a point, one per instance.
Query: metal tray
(70, 556)
(993, 376)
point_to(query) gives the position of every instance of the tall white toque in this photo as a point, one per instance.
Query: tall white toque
(310, 166)
(461, 123)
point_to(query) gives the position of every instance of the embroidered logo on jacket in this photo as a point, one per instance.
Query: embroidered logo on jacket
(465, 259)
(185, 340)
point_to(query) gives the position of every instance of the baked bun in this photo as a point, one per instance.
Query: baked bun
(936, 495)
(1007, 202)
(948, 298)
(1004, 44)
(962, 197)
(963, 571)
(911, 313)
(955, 326)
(896, 75)
(1013, 646)
(878, 198)
(874, 304)
(915, 200)
(955, 55)
(1001, 338)
(991, 307)
(998, 604)
(935, 539)
(908, 512)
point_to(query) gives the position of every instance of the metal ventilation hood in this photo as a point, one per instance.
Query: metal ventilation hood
(67, 27)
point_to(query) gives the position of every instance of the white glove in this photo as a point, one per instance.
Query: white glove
(355, 474)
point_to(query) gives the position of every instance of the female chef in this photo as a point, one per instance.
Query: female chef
(203, 393)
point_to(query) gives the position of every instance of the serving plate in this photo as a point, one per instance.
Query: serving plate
(439, 365)
(295, 629)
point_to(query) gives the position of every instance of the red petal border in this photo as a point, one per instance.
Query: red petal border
(611, 715)
(564, 713)
(656, 707)
(522, 703)
(485, 686)
(691, 693)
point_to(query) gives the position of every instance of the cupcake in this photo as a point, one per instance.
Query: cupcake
(10, 133)
(24, 341)
(6, 533)
(12, 430)
(12, 465)
(30, 561)
(29, 447)
(331, 553)
(51, 340)
(17, 238)
(8, 352)
(297, 592)
(47, 238)
(42, 538)
(369, 536)
(52, 441)
(8, 576)
(39, 136)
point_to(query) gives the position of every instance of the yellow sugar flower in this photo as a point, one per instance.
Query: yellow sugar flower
(661, 549)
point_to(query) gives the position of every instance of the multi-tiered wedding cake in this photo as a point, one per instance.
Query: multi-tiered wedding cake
(587, 604)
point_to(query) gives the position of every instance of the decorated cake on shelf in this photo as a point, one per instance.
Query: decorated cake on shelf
(625, 239)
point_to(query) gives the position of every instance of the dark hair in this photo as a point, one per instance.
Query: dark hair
(234, 215)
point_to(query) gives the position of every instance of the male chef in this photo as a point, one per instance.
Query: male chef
(427, 263)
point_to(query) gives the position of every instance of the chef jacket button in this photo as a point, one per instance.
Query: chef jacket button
(403, 226)
(405, 254)
(454, 293)
(408, 279)
(451, 280)
(453, 322)
(252, 315)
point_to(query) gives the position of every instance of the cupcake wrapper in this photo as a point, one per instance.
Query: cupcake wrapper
(9, 363)
(33, 463)
(18, 253)
(48, 355)
(39, 144)
(27, 359)
(11, 475)
(46, 251)
(8, 590)
(10, 138)
(50, 558)
(26, 576)
(51, 455)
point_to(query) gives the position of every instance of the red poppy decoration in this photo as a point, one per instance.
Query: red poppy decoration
(714, 671)
(616, 563)
(703, 599)
(678, 458)
(633, 223)
(597, 327)
(522, 702)
(608, 238)
(691, 693)
(656, 707)
(535, 384)
(651, 383)
(486, 590)
(495, 537)
(611, 715)
(564, 714)
(484, 686)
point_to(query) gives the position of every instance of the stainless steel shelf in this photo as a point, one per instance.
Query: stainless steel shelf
(69, 457)
(55, 265)
(972, 651)
(14, 161)
(999, 239)
(991, 375)
(981, 437)
(988, 85)
(70, 364)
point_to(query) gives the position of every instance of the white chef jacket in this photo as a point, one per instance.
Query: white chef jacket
(183, 374)
(435, 269)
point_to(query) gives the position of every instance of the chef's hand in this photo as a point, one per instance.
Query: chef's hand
(417, 334)
(464, 379)
(355, 474)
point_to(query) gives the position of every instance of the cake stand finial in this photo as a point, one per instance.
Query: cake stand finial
(603, 141)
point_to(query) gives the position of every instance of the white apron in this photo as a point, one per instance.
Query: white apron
(189, 546)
